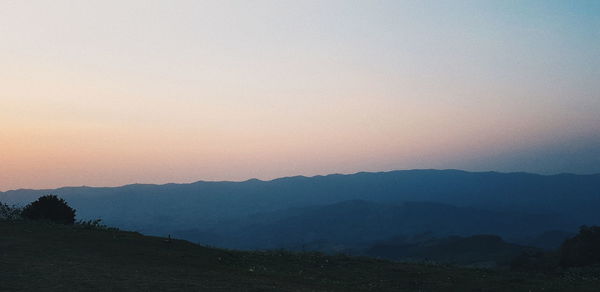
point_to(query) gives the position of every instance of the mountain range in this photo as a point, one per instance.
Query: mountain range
(344, 212)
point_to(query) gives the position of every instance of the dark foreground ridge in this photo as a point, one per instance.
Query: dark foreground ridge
(38, 256)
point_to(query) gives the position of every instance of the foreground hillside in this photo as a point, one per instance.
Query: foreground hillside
(47, 257)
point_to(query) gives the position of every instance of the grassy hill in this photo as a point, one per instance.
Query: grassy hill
(48, 257)
(478, 250)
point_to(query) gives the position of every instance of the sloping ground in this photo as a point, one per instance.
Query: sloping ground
(478, 250)
(46, 257)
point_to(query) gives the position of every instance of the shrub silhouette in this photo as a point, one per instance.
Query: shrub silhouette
(583, 249)
(9, 213)
(50, 207)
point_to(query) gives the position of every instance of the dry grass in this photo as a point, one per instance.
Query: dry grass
(48, 257)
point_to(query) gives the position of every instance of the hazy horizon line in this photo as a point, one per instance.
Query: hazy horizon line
(304, 176)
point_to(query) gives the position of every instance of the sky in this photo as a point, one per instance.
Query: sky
(106, 93)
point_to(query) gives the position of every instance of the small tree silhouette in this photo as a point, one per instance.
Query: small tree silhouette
(50, 207)
(9, 213)
(583, 249)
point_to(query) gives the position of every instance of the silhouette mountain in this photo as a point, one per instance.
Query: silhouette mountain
(563, 201)
(349, 225)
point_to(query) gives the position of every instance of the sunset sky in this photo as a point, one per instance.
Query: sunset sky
(105, 93)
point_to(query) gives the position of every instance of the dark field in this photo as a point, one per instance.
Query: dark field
(49, 257)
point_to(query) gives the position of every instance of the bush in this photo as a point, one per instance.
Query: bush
(583, 249)
(9, 213)
(51, 208)
(95, 224)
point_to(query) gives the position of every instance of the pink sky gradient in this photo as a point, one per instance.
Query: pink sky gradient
(104, 94)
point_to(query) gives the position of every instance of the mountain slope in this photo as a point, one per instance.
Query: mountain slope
(161, 209)
(354, 224)
(46, 257)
